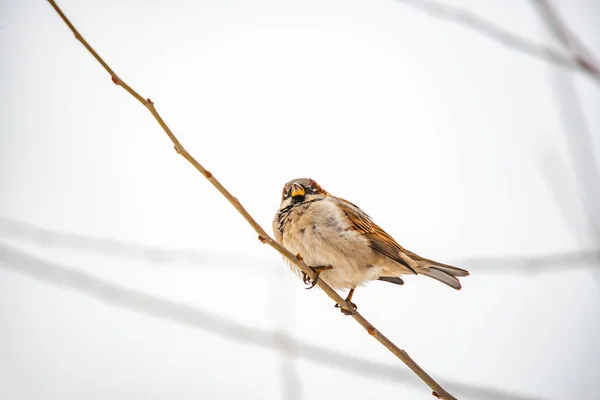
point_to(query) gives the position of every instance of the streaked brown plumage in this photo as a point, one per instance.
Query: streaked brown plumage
(329, 231)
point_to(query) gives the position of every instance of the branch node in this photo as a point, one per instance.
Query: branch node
(207, 174)
(437, 396)
(115, 80)
(586, 65)
(262, 239)
(149, 102)
(179, 150)
(299, 257)
(372, 331)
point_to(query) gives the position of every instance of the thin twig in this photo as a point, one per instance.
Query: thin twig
(94, 287)
(438, 391)
(493, 31)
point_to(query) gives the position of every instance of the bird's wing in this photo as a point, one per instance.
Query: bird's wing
(379, 240)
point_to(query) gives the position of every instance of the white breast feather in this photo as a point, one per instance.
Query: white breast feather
(318, 232)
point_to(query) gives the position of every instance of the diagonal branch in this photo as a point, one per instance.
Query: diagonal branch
(495, 32)
(438, 391)
(101, 290)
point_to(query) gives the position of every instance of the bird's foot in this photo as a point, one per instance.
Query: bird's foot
(317, 270)
(353, 306)
(348, 312)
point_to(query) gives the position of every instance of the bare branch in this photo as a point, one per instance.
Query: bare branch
(438, 391)
(522, 264)
(495, 32)
(110, 293)
(292, 385)
(579, 52)
(578, 137)
(287, 350)
(553, 172)
(128, 250)
(533, 264)
(580, 145)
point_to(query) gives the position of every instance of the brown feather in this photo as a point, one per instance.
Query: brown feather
(379, 240)
(392, 279)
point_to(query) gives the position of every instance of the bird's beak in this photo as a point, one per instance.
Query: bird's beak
(297, 190)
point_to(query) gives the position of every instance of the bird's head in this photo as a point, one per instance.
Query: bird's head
(300, 190)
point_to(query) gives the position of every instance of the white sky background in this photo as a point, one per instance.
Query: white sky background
(452, 142)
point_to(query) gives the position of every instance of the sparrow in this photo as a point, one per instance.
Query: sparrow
(342, 244)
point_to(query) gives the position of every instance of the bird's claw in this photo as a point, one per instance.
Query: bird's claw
(348, 299)
(346, 311)
(317, 270)
(307, 281)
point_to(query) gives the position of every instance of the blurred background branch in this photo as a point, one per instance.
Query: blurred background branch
(193, 317)
(577, 133)
(489, 29)
(534, 264)
(124, 249)
(579, 53)
(578, 138)
(291, 380)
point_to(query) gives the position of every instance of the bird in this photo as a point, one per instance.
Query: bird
(342, 244)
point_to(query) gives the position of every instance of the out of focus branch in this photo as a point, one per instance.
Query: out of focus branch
(291, 379)
(127, 249)
(579, 53)
(495, 32)
(578, 136)
(533, 264)
(107, 292)
(438, 390)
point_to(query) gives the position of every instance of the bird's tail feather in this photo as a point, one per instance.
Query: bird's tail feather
(442, 272)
